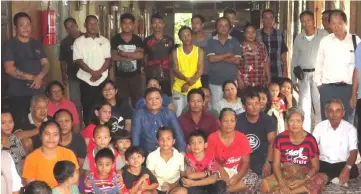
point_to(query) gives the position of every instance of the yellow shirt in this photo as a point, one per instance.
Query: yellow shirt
(188, 66)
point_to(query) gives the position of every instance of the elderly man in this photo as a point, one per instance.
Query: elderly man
(147, 121)
(27, 129)
(337, 141)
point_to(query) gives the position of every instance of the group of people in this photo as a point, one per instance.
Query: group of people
(217, 114)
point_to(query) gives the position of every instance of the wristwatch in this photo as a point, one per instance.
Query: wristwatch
(348, 166)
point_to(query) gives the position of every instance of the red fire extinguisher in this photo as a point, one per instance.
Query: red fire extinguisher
(48, 26)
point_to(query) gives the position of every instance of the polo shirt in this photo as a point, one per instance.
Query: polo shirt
(222, 71)
(158, 51)
(93, 52)
(64, 104)
(335, 60)
(26, 57)
(335, 144)
(127, 68)
(358, 67)
(208, 123)
(66, 54)
(165, 171)
(202, 44)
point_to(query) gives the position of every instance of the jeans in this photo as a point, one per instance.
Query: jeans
(180, 102)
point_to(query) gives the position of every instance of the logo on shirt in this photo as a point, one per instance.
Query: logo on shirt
(37, 51)
(296, 156)
(116, 124)
(254, 141)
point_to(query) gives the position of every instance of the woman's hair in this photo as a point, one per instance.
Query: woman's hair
(95, 118)
(228, 82)
(102, 86)
(45, 124)
(286, 80)
(264, 90)
(63, 170)
(57, 113)
(225, 110)
(247, 26)
(36, 187)
(295, 110)
(50, 85)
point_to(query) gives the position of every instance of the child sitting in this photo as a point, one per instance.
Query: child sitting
(101, 137)
(201, 173)
(166, 163)
(104, 179)
(122, 142)
(36, 187)
(137, 178)
(278, 106)
(67, 176)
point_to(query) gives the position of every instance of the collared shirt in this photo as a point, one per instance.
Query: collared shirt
(335, 60)
(208, 123)
(146, 124)
(93, 52)
(335, 144)
(275, 44)
(358, 67)
(66, 54)
(222, 71)
(165, 171)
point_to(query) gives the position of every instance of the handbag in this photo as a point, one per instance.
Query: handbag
(298, 72)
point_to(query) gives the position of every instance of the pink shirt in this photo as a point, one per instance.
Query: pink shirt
(65, 104)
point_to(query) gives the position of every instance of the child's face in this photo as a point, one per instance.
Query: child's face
(197, 144)
(122, 145)
(274, 91)
(104, 166)
(75, 178)
(102, 138)
(166, 140)
(263, 100)
(135, 160)
(286, 89)
(7, 123)
(104, 113)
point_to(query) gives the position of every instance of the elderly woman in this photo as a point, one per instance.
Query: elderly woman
(39, 164)
(230, 98)
(231, 150)
(295, 160)
(55, 92)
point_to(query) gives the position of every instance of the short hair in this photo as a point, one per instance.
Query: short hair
(36, 187)
(195, 91)
(225, 110)
(127, 16)
(200, 17)
(122, 134)
(228, 82)
(20, 15)
(52, 84)
(98, 127)
(295, 110)
(206, 88)
(268, 11)
(151, 90)
(6, 111)
(339, 13)
(70, 19)
(89, 17)
(337, 101)
(133, 150)
(229, 11)
(164, 128)
(38, 97)
(63, 170)
(104, 153)
(57, 113)
(152, 78)
(250, 93)
(247, 26)
(183, 28)
(327, 11)
(197, 133)
(156, 16)
(306, 12)
(223, 18)
(274, 84)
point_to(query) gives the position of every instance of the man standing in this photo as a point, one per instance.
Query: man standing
(127, 52)
(325, 21)
(223, 54)
(275, 44)
(26, 65)
(335, 66)
(68, 67)
(358, 88)
(158, 48)
(260, 130)
(188, 68)
(92, 54)
(304, 55)
(231, 15)
(337, 141)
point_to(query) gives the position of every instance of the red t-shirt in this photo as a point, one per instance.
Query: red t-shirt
(298, 154)
(88, 134)
(281, 103)
(229, 157)
(65, 104)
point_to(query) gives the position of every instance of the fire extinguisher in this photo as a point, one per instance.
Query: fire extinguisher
(48, 26)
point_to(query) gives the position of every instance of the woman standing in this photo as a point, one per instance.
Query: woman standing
(230, 99)
(295, 160)
(232, 154)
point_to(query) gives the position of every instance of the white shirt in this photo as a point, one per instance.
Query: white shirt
(335, 145)
(93, 52)
(165, 171)
(335, 60)
(237, 107)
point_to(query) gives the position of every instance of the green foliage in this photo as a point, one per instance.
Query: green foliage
(181, 19)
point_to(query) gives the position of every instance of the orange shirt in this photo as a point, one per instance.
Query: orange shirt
(37, 167)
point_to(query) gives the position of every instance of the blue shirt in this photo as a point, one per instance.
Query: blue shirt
(141, 102)
(358, 67)
(146, 124)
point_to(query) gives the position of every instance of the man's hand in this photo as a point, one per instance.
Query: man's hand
(344, 175)
(232, 181)
(64, 78)
(38, 81)
(95, 75)
(353, 101)
(229, 55)
(266, 170)
(185, 88)
(187, 182)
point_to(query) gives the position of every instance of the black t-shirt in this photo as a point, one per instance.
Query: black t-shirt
(130, 179)
(66, 54)
(237, 34)
(77, 145)
(120, 112)
(257, 137)
(126, 68)
(26, 57)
